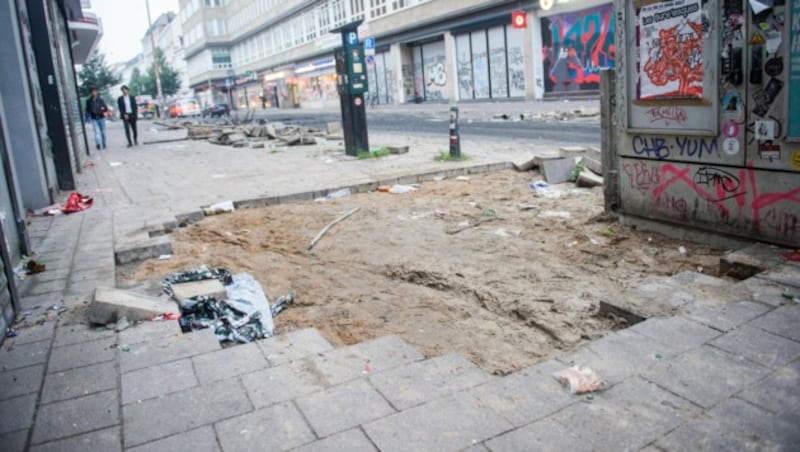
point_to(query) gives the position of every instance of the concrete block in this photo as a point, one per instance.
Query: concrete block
(201, 439)
(21, 381)
(106, 440)
(589, 179)
(82, 354)
(783, 321)
(74, 416)
(79, 382)
(525, 162)
(382, 354)
(295, 345)
(333, 410)
(140, 250)
(705, 375)
(353, 439)
(759, 346)
(185, 219)
(18, 413)
(109, 305)
(14, 441)
(727, 316)
(23, 355)
(595, 166)
(333, 127)
(397, 150)
(279, 427)
(303, 375)
(427, 380)
(678, 332)
(161, 351)
(557, 171)
(452, 423)
(75, 334)
(545, 434)
(778, 392)
(237, 360)
(183, 410)
(138, 385)
(572, 151)
(206, 287)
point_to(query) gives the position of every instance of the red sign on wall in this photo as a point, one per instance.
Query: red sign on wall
(519, 19)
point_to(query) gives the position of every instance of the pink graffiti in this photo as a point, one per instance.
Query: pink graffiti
(668, 114)
(782, 223)
(642, 177)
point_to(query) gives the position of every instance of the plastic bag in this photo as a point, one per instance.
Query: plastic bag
(579, 380)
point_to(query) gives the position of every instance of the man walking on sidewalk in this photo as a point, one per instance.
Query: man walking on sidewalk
(128, 109)
(96, 110)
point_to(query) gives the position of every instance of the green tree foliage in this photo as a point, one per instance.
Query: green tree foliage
(137, 83)
(95, 72)
(170, 78)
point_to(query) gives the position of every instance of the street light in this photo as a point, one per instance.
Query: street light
(156, 70)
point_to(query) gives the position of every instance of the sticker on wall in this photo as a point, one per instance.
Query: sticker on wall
(795, 160)
(730, 129)
(769, 151)
(774, 66)
(773, 41)
(732, 106)
(765, 130)
(765, 97)
(757, 39)
(730, 146)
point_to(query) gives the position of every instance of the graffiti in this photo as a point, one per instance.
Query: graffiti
(677, 206)
(576, 47)
(408, 81)
(436, 75)
(497, 63)
(671, 50)
(724, 183)
(464, 75)
(668, 114)
(642, 176)
(782, 223)
(651, 147)
(697, 147)
(516, 71)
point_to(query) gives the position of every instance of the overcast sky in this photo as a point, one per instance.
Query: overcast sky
(125, 23)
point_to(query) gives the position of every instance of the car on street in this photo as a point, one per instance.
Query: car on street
(216, 110)
(184, 108)
(147, 110)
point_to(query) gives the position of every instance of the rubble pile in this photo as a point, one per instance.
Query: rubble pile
(225, 133)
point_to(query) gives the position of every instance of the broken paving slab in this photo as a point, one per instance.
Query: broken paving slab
(589, 179)
(558, 170)
(206, 287)
(592, 165)
(111, 304)
(747, 262)
(142, 249)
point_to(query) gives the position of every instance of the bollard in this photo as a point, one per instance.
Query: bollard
(455, 136)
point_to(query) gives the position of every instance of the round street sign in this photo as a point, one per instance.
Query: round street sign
(357, 101)
(519, 21)
(546, 4)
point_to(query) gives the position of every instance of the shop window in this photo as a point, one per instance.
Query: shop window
(480, 65)
(464, 66)
(516, 64)
(498, 69)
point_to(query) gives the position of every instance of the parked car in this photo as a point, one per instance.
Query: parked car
(147, 110)
(188, 108)
(216, 110)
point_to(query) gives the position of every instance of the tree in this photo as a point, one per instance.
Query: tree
(170, 78)
(137, 82)
(95, 72)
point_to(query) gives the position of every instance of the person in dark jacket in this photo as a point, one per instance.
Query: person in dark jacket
(128, 112)
(96, 111)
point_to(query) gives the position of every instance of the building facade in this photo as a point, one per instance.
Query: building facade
(269, 52)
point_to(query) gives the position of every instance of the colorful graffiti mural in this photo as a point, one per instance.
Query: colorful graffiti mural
(576, 47)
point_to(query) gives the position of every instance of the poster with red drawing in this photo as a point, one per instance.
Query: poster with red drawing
(671, 50)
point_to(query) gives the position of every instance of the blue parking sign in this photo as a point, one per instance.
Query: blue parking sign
(352, 38)
(369, 43)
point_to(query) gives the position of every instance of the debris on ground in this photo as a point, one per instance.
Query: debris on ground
(218, 208)
(792, 256)
(580, 380)
(32, 267)
(557, 170)
(240, 133)
(336, 194)
(544, 190)
(11, 332)
(109, 305)
(330, 225)
(399, 189)
(76, 202)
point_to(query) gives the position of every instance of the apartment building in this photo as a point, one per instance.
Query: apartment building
(281, 51)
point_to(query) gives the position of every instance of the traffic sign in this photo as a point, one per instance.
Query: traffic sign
(519, 19)
(369, 43)
(352, 38)
(370, 60)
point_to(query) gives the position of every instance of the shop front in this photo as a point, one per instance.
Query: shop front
(316, 83)
(380, 78)
(431, 76)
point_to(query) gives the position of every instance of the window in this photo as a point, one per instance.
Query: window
(213, 3)
(297, 31)
(215, 27)
(310, 18)
(339, 12)
(357, 9)
(377, 8)
(323, 14)
(221, 58)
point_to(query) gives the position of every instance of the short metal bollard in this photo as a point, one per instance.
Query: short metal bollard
(455, 135)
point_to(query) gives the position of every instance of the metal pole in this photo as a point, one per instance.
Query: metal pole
(156, 69)
(455, 136)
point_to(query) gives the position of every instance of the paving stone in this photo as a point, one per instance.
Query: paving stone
(138, 385)
(14, 357)
(110, 304)
(759, 346)
(783, 321)
(352, 440)
(381, 354)
(36, 333)
(767, 292)
(143, 249)
(74, 416)
(228, 362)
(101, 440)
(451, 423)
(74, 334)
(270, 386)
(476, 448)
(746, 262)
(524, 397)
(546, 368)
(727, 316)
(545, 434)
(733, 425)
(677, 332)
(202, 439)
(620, 355)
(206, 287)
(17, 413)
(79, 382)
(146, 330)
(160, 351)
(279, 427)
(788, 275)
(46, 287)
(778, 392)
(14, 441)
(183, 410)
(295, 345)
(104, 273)
(21, 381)
(342, 407)
(705, 375)
(423, 381)
(82, 354)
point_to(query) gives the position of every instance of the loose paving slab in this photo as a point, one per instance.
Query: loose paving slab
(74, 416)
(15, 441)
(21, 381)
(17, 413)
(778, 392)
(268, 386)
(202, 439)
(295, 345)
(342, 407)
(678, 332)
(452, 423)
(760, 346)
(82, 354)
(705, 375)
(79, 382)
(377, 355)
(353, 440)
(229, 362)
(138, 385)
(77, 333)
(16, 356)
(101, 440)
(727, 316)
(161, 351)
(783, 321)
(110, 305)
(183, 410)
(545, 434)
(767, 292)
(279, 427)
(36, 333)
(427, 380)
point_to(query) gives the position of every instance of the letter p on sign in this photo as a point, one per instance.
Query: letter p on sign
(519, 19)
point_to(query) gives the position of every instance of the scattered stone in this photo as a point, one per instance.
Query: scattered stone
(122, 324)
(396, 150)
(557, 171)
(589, 179)
(257, 145)
(334, 127)
(572, 151)
(592, 165)
(205, 287)
(525, 163)
(115, 305)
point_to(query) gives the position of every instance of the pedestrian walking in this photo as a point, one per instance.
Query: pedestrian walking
(128, 112)
(96, 110)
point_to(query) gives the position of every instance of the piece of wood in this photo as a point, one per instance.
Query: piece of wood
(330, 225)
(471, 225)
(166, 140)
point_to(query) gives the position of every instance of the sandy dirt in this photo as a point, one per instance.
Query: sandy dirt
(519, 283)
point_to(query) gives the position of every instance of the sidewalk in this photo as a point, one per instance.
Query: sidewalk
(720, 375)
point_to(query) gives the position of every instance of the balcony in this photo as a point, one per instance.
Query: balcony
(85, 32)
